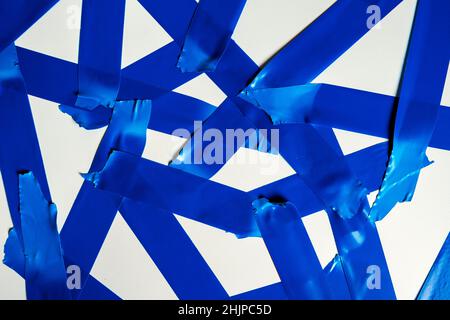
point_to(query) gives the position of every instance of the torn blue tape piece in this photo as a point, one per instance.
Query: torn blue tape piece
(209, 34)
(19, 150)
(420, 96)
(100, 52)
(305, 57)
(176, 191)
(291, 250)
(437, 283)
(18, 16)
(42, 259)
(93, 209)
(173, 252)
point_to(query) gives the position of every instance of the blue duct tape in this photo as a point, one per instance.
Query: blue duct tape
(209, 34)
(420, 95)
(19, 150)
(305, 57)
(291, 250)
(324, 171)
(39, 257)
(100, 52)
(176, 191)
(94, 210)
(173, 252)
(18, 16)
(437, 283)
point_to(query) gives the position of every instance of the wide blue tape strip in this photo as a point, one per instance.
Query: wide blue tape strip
(19, 150)
(437, 283)
(420, 96)
(39, 257)
(173, 252)
(291, 250)
(18, 15)
(100, 52)
(209, 34)
(302, 60)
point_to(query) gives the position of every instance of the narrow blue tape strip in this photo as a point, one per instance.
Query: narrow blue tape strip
(17, 16)
(100, 52)
(209, 34)
(420, 96)
(302, 60)
(437, 283)
(40, 258)
(291, 250)
(173, 252)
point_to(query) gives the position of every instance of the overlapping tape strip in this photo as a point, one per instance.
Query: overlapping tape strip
(97, 93)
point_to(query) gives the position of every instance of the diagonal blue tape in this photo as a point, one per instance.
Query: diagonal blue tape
(209, 34)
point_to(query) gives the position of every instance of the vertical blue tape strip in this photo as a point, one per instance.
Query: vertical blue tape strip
(420, 96)
(208, 35)
(100, 52)
(291, 250)
(39, 258)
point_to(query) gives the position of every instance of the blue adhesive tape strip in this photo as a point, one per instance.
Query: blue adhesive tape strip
(291, 250)
(209, 34)
(39, 257)
(176, 191)
(323, 170)
(420, 96)
(18, 16)
(437, 283)
(100, 52)
(302, 59)
(173, 252)
(19, 150)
